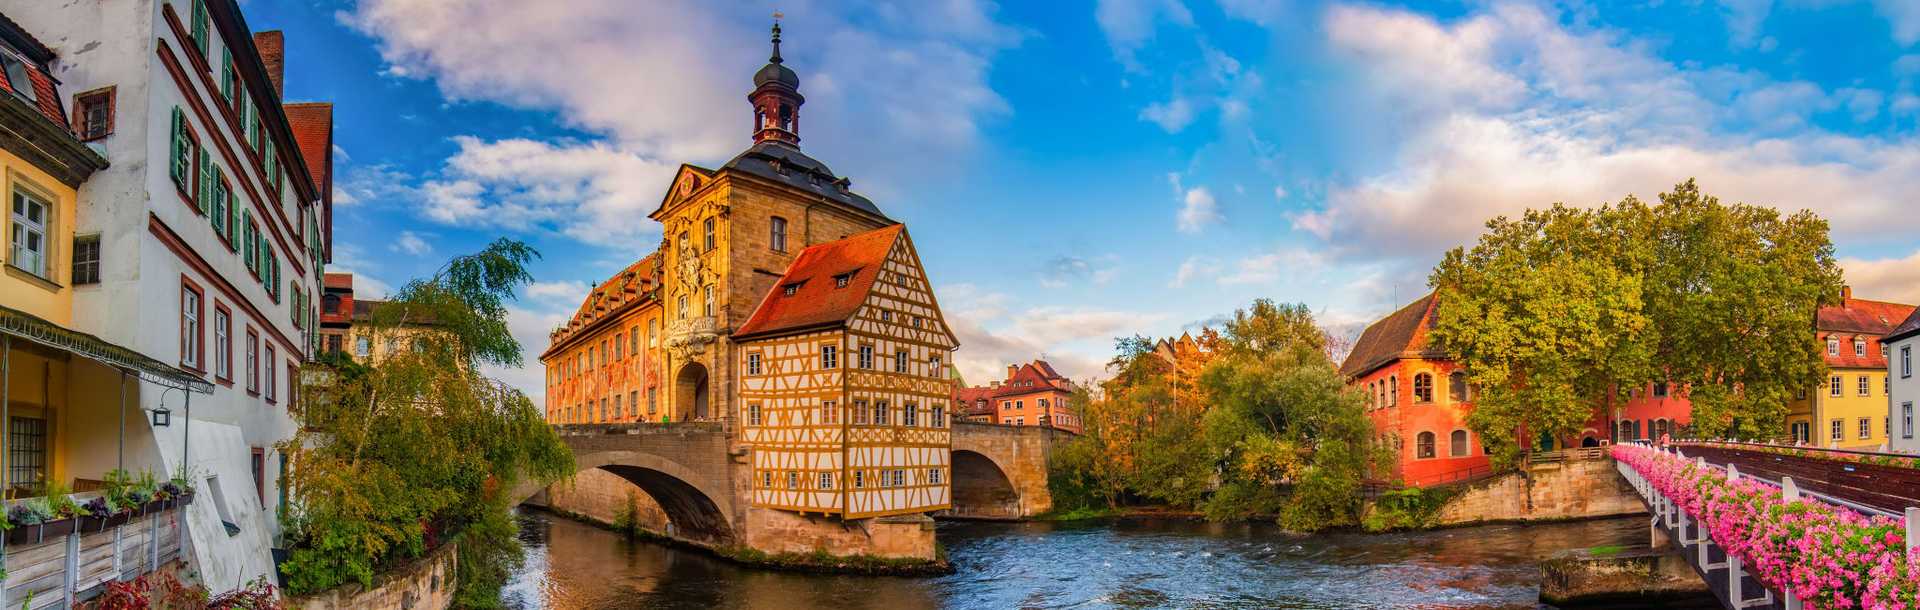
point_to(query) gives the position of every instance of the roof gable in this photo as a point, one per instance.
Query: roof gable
(1908, 328)
(1386, 340)
(816, 299)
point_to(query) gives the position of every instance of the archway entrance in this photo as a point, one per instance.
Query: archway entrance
(981, 489)
(690, 392)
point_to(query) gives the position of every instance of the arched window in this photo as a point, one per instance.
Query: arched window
(1422, 388)
(1457, 445)
(1457, 386)
(1423, 446)
(1393, 390)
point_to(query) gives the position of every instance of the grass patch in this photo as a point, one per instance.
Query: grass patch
(1079, 514)
(1606, 550)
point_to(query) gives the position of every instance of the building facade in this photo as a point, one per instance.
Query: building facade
(203, 242)
(1902, 344)
(1849, 410)
(786, 305)
(1033, 394)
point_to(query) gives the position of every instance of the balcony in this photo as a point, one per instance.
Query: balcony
(58, 552)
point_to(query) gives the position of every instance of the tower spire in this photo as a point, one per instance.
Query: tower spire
(776, 98)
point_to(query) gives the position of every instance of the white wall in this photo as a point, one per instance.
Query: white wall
(1906, 391)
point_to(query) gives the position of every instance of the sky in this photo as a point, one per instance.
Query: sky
(1073, 172)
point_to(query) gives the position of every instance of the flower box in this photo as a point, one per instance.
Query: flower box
(90, 524)
(36, 534)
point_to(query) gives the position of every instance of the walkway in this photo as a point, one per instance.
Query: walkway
(1840, 474)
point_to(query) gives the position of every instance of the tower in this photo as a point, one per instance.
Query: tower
(776, 99)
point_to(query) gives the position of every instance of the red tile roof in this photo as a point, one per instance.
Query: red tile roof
(1039, 375)
(1392, 337)
(816, 301)
(1869, 320)
(968, 400)
(46, 97)
(312, 125)
(617, 293)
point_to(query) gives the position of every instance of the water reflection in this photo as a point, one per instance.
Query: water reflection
(1125, 564)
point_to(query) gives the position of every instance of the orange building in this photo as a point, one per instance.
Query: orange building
(1033, 394)
(1417, 398)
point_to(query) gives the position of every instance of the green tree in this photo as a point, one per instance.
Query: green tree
(1733, 297)
(1546, 314)
(417, 445)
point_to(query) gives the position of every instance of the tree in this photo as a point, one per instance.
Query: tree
(415, 445)
(1546, 316)
(1733, 298)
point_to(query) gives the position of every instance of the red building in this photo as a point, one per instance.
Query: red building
(1033, 394)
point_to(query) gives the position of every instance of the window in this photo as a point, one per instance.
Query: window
(18, 78)
(184, 150)
(199, 20)
(1862, 386)
(617, 409)
(939, 419)
(708, 235)
(1906, 420)
(1833, 386)
(859, 479)
(766, 478)
(933, 366)
(271, 385)
(886, 316)
(900, 361)
(933, 476)
(633, 403)
(1660, 389)
(633, 344)
(860, 412)
(362, 346)
(777, 235)
(790, 289)
(1906, 361)
(829, 414)
(259, 463)
(26, 452)
(86, 259)
(840, 281)
(826, 480)
(1393, 390)
(1833, 346)
(880, 413)
(93, 114)
(1800, 432)
(828, 358)
(1423, 445)
(32, 217)
(753, 415)
(1866, 427)
(1833, 431)
(222, 343)
(253, 361)
(1457, 444)
(1457, 386)
(865, 358)
(190, 348)
(910, 415)
(1859, 347)
(653, 400)
(706, 306)
(1422, 388)
(753, 364)
(653, 328)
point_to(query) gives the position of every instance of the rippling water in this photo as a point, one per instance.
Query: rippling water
(1108, 564)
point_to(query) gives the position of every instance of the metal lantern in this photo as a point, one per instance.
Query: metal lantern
(162, 417)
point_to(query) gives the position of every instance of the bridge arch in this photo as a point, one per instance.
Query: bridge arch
(696, 509)
(981, 488)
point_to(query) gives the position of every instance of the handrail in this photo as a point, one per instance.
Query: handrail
(1781, 485)
(1907, 456)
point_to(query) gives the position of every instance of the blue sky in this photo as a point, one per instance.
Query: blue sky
(1076, 171)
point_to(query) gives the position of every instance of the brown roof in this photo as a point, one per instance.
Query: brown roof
(312, 124)
(619, 291)
(816, 300)
(1390, 338)
(46, 97)
(1908, 328)
(965, 400)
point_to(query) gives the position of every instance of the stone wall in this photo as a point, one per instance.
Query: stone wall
(1020, 452)
(601, 496)
(426, 584)
(901, 537)
(1567, 490)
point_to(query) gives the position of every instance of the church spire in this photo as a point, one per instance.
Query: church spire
(776, 98)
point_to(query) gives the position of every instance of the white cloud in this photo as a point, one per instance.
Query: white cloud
(1890, 279)
(1129, 24)
(412, 243)
(530, 328)
(1197, 210)
(1077, 341)
(564, 292)
(1745, 18)
(1279, 192)
(1195, 267)
(1269, 267)
(1904, 17)
(1601, 119)
(1172, 115)
(590, 192)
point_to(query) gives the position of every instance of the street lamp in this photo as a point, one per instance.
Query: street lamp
(162, 417)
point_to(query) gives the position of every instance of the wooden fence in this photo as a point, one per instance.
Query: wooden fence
(55, 571)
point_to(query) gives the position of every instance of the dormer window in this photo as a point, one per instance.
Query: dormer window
(790, 289)
(840, 281)
(1859, 347)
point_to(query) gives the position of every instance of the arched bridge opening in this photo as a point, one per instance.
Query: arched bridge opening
(691, 515)
(981, 489)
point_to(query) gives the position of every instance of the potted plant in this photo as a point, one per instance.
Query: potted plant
(150, 487)
(28, 519)
(172, 494)
(99, 514)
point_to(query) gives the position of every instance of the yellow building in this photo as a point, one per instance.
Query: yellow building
(787, 306)
(1849, 410)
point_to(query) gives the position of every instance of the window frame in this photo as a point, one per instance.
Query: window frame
(1422, 381)
(270, 384)
(48, 226)
(253, 361)
(193, 348)
(222, 343)
(1425, 445)
(82, 243)
(1462, 447)
(777, 234)
(82, 102)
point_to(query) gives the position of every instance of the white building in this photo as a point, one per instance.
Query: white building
(1903, 394)
(213, 228)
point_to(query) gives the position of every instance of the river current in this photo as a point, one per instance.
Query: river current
(1133, 563)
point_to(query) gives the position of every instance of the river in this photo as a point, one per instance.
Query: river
(1100, 564)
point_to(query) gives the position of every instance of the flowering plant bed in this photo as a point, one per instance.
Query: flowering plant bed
(1862, 457)
(1828, 557)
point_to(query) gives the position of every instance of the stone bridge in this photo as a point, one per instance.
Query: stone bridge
(691, 481)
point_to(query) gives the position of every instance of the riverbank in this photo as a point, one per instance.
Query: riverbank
(819, 562)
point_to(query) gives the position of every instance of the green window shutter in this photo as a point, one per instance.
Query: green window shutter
(248, 249)
(273, 172)
(226, 78)
(200, 26)
(217, 200)
(177, 164)
(205, 192)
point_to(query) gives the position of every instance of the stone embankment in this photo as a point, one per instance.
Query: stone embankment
(426, 584)
(1580, 487)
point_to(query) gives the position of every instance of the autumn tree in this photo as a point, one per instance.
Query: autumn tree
(415, 444)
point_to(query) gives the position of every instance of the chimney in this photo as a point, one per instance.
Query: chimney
(1012, 369)
(1846, 293)
(273, 52)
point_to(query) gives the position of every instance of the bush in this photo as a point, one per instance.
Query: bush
(1409, 508)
